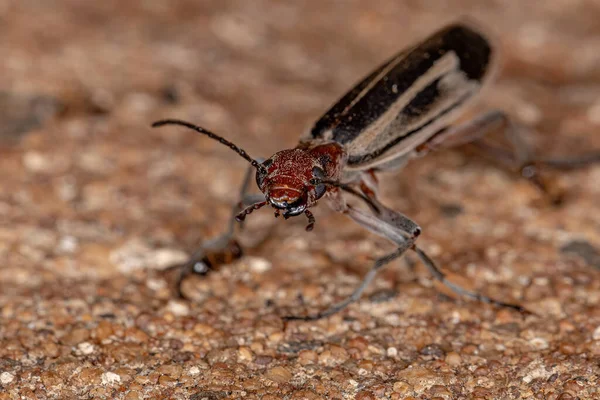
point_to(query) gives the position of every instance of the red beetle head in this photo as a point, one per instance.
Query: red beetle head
(290, 181)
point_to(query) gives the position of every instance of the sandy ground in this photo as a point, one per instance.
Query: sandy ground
(94, 205)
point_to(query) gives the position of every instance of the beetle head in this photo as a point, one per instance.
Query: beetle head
(290, 181)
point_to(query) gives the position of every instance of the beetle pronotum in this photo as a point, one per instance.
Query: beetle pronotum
(402, 110)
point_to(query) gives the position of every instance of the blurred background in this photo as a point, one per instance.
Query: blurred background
(94, 203)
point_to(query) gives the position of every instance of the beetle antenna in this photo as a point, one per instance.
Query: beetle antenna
(214, 136)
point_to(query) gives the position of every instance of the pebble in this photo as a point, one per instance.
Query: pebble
(278, 374)
(391, 352)
(593, 113)
(434, 350)
(333, 355)
(539, 343)
(596, 333)
(453, 359)
(245, 354)
(76, 336)
(85, 348)
(402, 388)
(306, 357)
(36, 162)
(420, 378)
(6, 378)
(133, 395)
(110, 378)
(258, 265)
(178, 308)
(103, 331)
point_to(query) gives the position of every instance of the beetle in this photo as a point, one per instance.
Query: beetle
(402, 110)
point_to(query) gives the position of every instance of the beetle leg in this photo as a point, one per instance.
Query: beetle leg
(403, 232)
(311, 220)
(398, 234)
(440, 276)
(369, 184)
(195, 264)
(521, 157)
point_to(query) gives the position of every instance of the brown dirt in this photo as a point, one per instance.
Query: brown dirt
(93, 204)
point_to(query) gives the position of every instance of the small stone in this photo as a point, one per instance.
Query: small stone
(365, 366)
(593, 113)
(50, 379)
(359, 342)
(75, 337)
(85, 348)
(434, 350)
(334, 355)
(420, 378)
(51, 349)
(402, 388)
(133, 395)
(178, 308)
(583, 249)
(306, 357)
(572, 386)
(109, 378)
(567, 348)
(245, 354)
(36, 162)
(567, 326)
(565, 396)
(258, 265)
(166, 380)
(539, 343)
(194, 371)
(90, 376)
(391, 352)
(364, 395)
(171, 370)
(6, 378)
(263, 360)
(164, 258)
(596, 334)
(103, 331)
(279, 374)
(453, 359)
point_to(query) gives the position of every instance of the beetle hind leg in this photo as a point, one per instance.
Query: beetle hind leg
(520, 157)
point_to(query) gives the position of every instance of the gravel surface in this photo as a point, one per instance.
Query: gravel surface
(95, 205)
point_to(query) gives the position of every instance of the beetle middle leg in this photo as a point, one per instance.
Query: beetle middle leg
(521, 156)
(403, 232)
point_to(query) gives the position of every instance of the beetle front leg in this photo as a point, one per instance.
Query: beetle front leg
(221, 243)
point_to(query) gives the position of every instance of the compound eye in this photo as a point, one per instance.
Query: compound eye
(318, 173)
(260, 177)
(261, 174)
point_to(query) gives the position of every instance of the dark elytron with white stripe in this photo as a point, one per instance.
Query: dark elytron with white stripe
(415, 94)
(403, 109)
